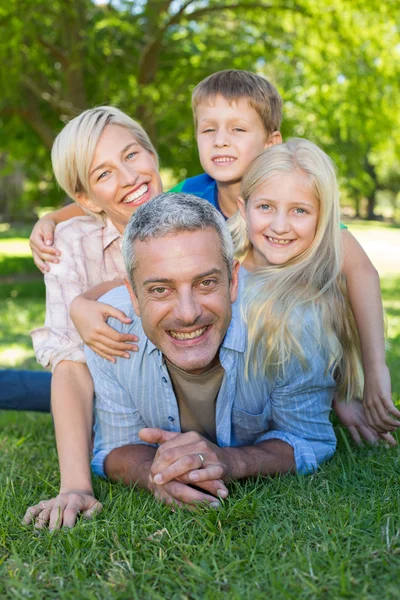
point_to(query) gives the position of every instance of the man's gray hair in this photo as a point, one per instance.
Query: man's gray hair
(171, 213)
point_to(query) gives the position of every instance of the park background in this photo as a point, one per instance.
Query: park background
(335, 534)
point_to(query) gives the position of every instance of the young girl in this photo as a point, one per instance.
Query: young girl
(287, 233)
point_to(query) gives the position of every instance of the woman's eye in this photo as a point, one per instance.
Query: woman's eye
(131, 155)
(102, 175)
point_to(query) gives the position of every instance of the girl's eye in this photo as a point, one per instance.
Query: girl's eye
(265, 206)
(299, 211)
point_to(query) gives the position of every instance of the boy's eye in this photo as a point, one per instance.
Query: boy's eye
(238, 129)
(208, 130)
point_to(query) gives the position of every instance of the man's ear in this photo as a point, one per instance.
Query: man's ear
(134, 299)
(242, 207)
(274, 138)
(233, 288)
(86, 202)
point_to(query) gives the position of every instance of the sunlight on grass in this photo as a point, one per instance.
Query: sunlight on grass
(14, 356)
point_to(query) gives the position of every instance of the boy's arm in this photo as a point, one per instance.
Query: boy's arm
(365, 299)
(42, 236)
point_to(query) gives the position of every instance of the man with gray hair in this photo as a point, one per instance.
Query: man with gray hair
(180, 418)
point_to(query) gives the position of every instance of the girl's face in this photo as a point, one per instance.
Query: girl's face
(123, 175)
(281, 216)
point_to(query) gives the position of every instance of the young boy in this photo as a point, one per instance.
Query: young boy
(237, 114)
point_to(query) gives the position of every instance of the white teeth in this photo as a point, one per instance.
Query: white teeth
(137, 194)
(224, 159)
(276, 241)
(187, 336)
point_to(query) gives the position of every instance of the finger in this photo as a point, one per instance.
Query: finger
(40, 264)
(40, 247)
(31, 513)
(94, 509)
(182, 465)
(208, 472)
(355, 435)
(121, 346)
(385, 421)
(188, 495)
(388, 438)
(57, 513)
(369, 435)
(42, 518)
(117, 314)
(374, 420)
(108, 352)
(216, 487)
(155, 435)
(173, 450)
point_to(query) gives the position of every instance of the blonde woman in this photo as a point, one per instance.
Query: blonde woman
(106, 162)
(287, 234)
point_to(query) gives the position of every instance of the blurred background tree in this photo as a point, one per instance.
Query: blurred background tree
(336, 64)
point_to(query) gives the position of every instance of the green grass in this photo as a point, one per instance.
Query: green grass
(332, 535)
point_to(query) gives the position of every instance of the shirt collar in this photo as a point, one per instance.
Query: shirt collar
(110, 233)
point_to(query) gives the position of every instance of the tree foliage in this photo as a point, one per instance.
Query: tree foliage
(335, 64)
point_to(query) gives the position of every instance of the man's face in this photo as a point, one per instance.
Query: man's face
(183, 296)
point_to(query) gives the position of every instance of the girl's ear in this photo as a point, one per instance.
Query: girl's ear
(242, 207)
(86, 202)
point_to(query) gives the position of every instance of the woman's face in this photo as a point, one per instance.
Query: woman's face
(123, 175)
(281, 216)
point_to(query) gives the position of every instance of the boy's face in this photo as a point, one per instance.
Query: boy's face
(229, 136)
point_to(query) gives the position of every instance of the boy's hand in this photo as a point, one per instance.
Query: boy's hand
(352, 416)
(41, 243)
(89, 318)
(379, 408)
(63, 510)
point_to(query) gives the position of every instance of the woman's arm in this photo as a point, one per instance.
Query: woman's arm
(42, 236)
(366, 302)
(72, 409)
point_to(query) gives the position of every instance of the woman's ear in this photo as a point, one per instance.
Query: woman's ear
(86, 202)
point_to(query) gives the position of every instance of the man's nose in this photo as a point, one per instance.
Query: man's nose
(187, 308)
(280, 222)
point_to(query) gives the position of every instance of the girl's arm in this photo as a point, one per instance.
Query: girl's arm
(365, 298)
(90, 319)
(42, 236)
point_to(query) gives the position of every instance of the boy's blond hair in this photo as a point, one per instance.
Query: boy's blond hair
(234, 85)
(74, 147)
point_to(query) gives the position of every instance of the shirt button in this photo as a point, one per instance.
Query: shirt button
(165, 380)
(171, 419)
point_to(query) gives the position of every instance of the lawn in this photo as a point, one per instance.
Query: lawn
(335, 534)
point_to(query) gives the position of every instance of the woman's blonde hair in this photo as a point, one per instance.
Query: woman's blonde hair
(313, 280)
(74, 147)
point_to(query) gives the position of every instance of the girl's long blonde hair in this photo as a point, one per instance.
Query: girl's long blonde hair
(312, 280)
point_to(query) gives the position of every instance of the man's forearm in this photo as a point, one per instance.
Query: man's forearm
(72, 409)
(130, 464)
(267, 458)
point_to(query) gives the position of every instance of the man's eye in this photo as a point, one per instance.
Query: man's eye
(159, 290)
(207, 282)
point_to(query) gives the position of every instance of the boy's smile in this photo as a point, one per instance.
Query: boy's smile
(229, 136)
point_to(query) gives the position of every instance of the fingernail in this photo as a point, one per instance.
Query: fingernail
(222, 493)
(215, 505)
(126, 355)
(158, 478)
(194, 476)
(48, 242)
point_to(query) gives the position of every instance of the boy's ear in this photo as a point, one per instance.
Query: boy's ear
(274, 138)
(86, 202)
(242, 207)
(133, 297)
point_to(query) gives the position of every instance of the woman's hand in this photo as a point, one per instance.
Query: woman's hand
(380, 411)
(63, 510)
(41, 243)
(89, 318)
